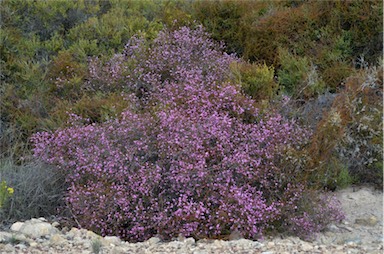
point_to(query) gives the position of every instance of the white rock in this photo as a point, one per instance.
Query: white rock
(333, 228)
(37, 230)
(350, 229)
(153, 240)
(20, 246)
(55, 224)
(220, 243)
(305, 246)
(108, 240)
(189, 241)
(92, 235)
(16, 226)
(56, 239)
(78, 239)
(4, 236)
(242, 242)
(372, 221)
(33, 244)
(74, 232)
(200, 252)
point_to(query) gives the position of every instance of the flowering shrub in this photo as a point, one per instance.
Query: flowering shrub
(196, 157)
(143, 67)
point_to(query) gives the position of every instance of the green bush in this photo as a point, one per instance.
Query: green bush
(329, 34)
(256, 80)
(298, 77)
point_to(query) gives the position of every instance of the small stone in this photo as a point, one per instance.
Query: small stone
(305, 246)
(56, 239)
(153, 240)
(268, 252)
(17, 226)
(204, 241)
(55, 224)
(350, 229)
(42, 219)
(219, 243)
(270, 244)
(118, 250)
(8, 248)
(174, 245)
(92, 235)
(64, 230)
(333, 228)
(295, 240)
(84, 231)
(5, 236)
(33, 244)
(108, 240)
(371, 221)
(73, 233)
(78, 239)
(243, 242)
(39, 240)
(189, 241)
(285, 242)
(20, 246)
(339, 247)
(200, 252)
(37, 230)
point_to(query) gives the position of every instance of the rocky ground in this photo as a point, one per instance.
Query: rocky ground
(360, 232)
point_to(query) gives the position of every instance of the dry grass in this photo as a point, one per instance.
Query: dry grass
(38, 190)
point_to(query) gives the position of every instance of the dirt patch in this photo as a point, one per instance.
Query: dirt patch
(363, 207)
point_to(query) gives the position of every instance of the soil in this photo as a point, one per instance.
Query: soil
(363, 208)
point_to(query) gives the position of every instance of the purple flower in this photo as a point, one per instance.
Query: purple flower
(185, 158)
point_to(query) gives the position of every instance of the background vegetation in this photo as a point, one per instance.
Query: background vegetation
(318, 62)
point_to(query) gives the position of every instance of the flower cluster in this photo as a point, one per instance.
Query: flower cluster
(195, 158)
(5, 192)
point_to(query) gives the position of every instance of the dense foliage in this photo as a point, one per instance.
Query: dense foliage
(195, 158)
(68, 67)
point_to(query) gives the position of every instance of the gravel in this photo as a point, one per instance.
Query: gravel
(360, 232)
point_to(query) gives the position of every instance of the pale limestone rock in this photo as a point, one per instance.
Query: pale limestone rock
(92, 235)
(370, 221)
(4, 236)
(16, 226)
(153, 240)
(33, 244)
(109, 240)
(189, 241)
(34, 228)
(57, 239)
(305, 246)
(37, 230)
(55, 224)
